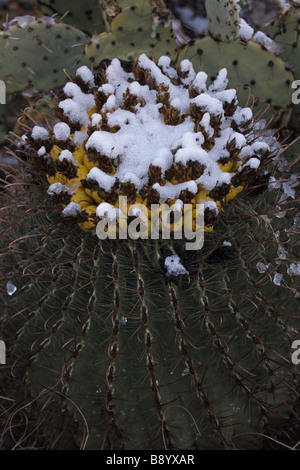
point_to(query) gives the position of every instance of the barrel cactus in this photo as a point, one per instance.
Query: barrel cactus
(142, 343)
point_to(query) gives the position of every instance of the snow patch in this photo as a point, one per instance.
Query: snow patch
(10, 288)
(277, 279)
(62, 131)
(39, 133)
(86, 75)
(174, 267)
(71, 210)
(294, 269)
(246, 31)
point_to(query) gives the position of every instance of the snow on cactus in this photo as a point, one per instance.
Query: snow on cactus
(153, 133)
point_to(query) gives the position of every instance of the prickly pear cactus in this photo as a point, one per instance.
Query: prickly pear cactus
(132, 29)
(267, 68)
(285, 30)
(35, 52)
(87, 18)
(224, 19)
(142, 344)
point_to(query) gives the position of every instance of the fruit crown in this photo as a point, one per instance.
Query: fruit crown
(150, 132)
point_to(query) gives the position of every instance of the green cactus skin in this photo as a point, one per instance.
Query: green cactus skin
(199, 362)
(250, 68)
(37, 54)
(87, 18)
(132, 32)
(223, 18)
(285, 30)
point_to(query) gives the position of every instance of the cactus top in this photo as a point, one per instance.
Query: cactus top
(149, 131)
